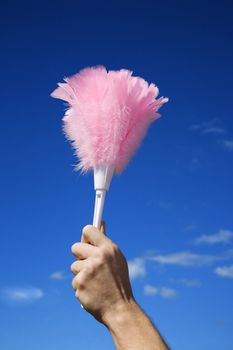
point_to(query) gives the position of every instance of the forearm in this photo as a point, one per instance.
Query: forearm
(131, 329)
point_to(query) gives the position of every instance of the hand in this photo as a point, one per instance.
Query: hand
(101, 281)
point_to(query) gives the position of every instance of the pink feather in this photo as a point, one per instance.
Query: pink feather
(108, 115)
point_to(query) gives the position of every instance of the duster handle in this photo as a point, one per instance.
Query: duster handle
(99, 207)
(98, 211)
(102, 179)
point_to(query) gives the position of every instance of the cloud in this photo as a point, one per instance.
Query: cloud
(58, 275)
(164, 292)
(150, 290)
(224, 271)
(184, 258)
(208, 127)
(136, 268)
(167, 293)
(190, 283)
(228, 144)
(205, 125)
(214, 130)
(222, 236)
(22, 294)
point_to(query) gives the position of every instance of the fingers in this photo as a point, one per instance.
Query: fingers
(93, 236)
(77, 283)
(77, 266)
(83, 250)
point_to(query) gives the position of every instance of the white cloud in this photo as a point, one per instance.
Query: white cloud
(150, 290)
(137, 268)
(167, 293)
(190, 283)
(214, 130)
(164, 292)
(213, 127)
(22, 294)
(184, 258)
(222, 236)
(205, 125)
(224, 271)
(210, 126)
(228, 144)
(58, 275)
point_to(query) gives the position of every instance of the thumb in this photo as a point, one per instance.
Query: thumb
(103, 227)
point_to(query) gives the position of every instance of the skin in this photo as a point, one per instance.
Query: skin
(102, 286)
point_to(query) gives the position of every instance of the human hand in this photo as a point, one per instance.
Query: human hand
(101, 281)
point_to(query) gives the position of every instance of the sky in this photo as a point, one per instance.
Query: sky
(170, 212)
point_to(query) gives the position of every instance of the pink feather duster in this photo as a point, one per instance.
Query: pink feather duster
(108, 116)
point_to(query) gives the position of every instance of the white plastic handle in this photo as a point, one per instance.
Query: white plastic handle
(99, 207)
(102, 179)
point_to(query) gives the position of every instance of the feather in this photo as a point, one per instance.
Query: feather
(108, 115)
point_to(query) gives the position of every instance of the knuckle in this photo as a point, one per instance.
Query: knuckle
(80, 282)
(98, 262)
(109, 250)
(74, 283)
(91, 268)
(86, 229)
(84, 236)
(81, 285)
(100, 256)
(75, 267)
(72, 266)
(74, 248)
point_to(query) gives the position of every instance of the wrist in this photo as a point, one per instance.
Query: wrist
(121, 314)
(132, 329)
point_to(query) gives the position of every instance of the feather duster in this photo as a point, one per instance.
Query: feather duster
(108, 115)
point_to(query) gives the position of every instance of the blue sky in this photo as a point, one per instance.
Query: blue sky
(170, 211)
